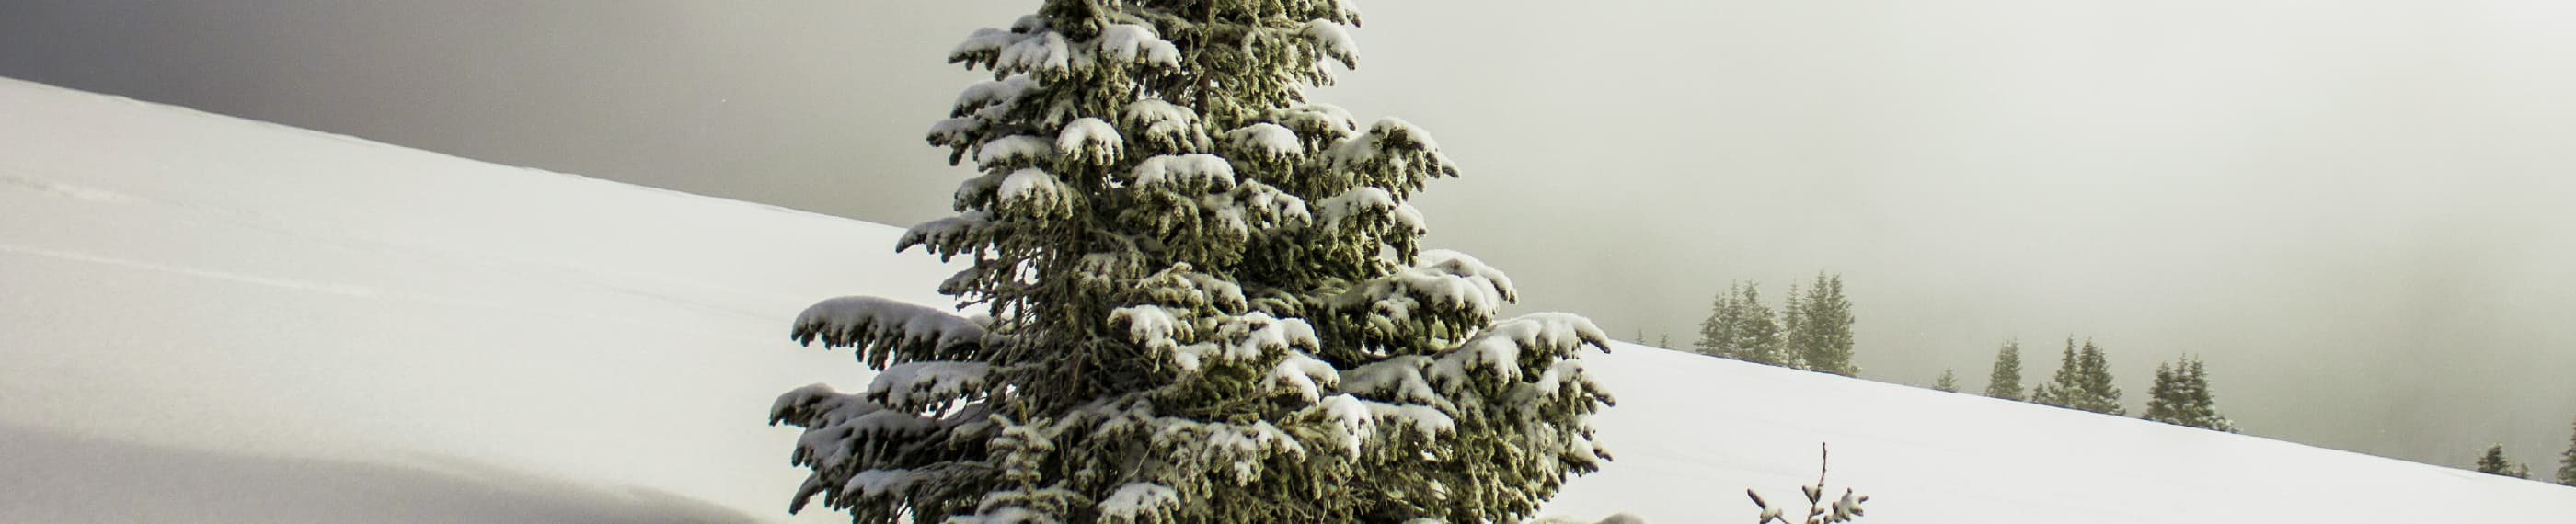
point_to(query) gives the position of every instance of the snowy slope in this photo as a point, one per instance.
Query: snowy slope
(191, 304)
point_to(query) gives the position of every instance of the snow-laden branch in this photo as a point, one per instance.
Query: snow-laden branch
(887, 331)
(1393, 154)
(1369, 208)
(1034, 193)
(1334, 41)
(1089, 140)
(951, 236)
(1317, 119)
(1546, 338)
(1015, 151)
(1138, 44)
(1190, 174)
(919, 386)
(1266, 141)
(1445, 291)
(1162, 125)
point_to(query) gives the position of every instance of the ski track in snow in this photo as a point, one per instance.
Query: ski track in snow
(603, 279)
(72, 191)
(363, 292)
(330, 289)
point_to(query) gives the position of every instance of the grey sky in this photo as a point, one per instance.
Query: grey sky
(2357, 211)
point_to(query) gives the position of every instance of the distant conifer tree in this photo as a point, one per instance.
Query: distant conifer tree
(2082, 382)
(1949, 381)
(1740, 327)
(2493, 462)
(2567, 462)
(2181, 396)
(1794, 334)
(2005, 381)
(1818, 327)
(1757, 335)
(2100, 396)
(1717, 333)
(2053, 391)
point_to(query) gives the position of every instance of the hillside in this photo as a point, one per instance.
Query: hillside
(212, 319)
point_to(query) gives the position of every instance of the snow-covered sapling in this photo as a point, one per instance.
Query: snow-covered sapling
(1819, 510)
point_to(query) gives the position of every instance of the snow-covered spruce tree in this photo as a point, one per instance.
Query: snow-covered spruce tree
(2181, 396)
(1947, 382)
(1202, 302)
(2004, 381)
(2493, 462)
(1818, 326)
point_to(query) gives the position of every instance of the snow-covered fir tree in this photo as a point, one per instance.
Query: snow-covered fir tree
(2004, 381)
(2167, 396)
(2100, 396)
(1817, 327)
(1740, 327)
(2181, 396)
(1717, 333)
(2492, 462)
(1757, 332)
(1948, 381)
(2567, 460)
(1201, 297)
(2067, 378)
(2082, 382)
(1794, 336)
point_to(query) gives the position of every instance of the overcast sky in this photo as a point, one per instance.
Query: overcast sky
(2357, 211)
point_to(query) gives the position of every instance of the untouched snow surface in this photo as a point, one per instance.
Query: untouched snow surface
(191, 304)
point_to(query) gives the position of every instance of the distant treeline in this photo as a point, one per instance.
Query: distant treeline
(1811, 330)
(2180, 394)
